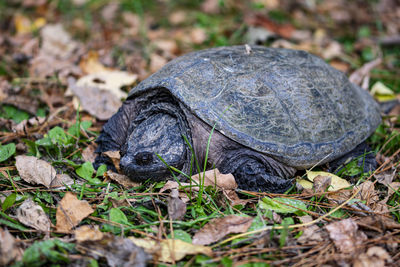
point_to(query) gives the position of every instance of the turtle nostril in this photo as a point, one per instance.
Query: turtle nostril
(144, 158)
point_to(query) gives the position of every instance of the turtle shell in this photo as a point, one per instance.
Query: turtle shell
(287, 104)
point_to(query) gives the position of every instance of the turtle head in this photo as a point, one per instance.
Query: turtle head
(156, 133)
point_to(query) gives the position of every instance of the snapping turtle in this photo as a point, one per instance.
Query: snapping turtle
(275, 111)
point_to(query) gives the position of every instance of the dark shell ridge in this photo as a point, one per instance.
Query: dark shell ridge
(285, 103)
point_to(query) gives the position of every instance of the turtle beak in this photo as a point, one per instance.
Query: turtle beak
(158, 136)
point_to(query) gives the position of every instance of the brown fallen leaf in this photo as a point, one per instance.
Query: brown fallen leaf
(337, 183)
(375, 256)
(9, 249)
(220, 227)
(90, 63)
(198, 35)
(56, 42)
(88, 154)
(171, 250)
(70, 212)
(123, 180)
(345, 235)
(214, 177)
(322, 183)
(88, 233)
(116, 250)
(110, 80)
(362, 73)
(367, 192)
(37, 171)
(115, 157)
(311, 234)
(234, 199)
(156, 62)
(33, 215)
(99, 103)
(176, 207)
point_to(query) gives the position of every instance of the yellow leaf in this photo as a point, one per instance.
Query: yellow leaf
(38, 23)
(170, 250)
(305, 184)
(337, 183)
(22, 24)
(90, 63)
(382, 93)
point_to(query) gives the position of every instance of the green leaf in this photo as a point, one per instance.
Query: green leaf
(9, 201)
(278, 204)
(45, 141)
(86, 170)
(6, 151)
(181, 235)
(116, 215)
(58, 136)
(101, 170)
(11, 112)
(49, 251)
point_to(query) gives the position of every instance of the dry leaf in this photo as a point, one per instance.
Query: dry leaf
(220, 227)
(33, 215)
(393, 187)
(234, 199)
(337, 183)
(37, 171)
(176, 207)
(177, 17)
(385, 177)
(169, 186)
(88, 233)
(210, 6)
(123, 180)
(88, 154)
(156, 62)
(198, 35)
(118, 251)
(359, 75)
(44, 66)
(71, 211)
(214, 177)
(111, 81)
(169, 47)
(345, 235)
(99, 103)
(311, 234)
(171, 250)
(322, 183)
(115, 157)
(90, 63)
(367, 192)
(9, 250)
(56, 42)
(305, 184)
(334, 49)
(375, 256)
(382, 93)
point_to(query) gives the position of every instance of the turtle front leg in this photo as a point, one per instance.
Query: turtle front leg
(256, 172)
(364, 155)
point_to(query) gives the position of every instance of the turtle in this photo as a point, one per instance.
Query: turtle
(268, 112)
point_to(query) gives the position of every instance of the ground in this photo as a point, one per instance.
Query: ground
(65, 67)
